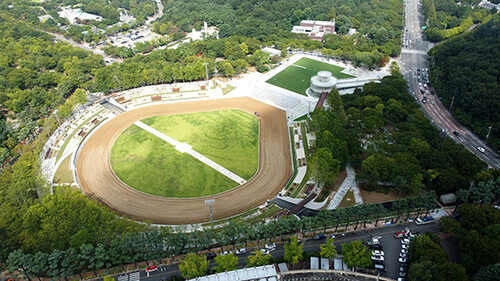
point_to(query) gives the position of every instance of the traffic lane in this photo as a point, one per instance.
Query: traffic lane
(313, 245)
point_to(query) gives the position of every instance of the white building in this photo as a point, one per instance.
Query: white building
(204, 32)
(72, 15)
(315, 29)
(323, 82)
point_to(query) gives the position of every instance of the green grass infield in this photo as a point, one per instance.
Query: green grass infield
(230, 138)
(151, 165)
(297, 77)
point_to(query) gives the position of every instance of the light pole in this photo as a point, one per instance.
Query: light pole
(451, 104)
(206, 68)
(57, 116)
(210, 202)
(489, 131)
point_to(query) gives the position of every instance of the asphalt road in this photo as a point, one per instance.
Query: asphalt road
(413, 57)
(391, 247)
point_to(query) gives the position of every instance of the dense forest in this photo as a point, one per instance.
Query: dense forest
(392, 143)
(36, 75)
(466, 69)
(476, 235)
(447, 18)
(379, 23)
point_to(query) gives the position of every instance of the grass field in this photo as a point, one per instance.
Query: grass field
(297, 79)
(228, 137)
(151, 165)
(63, 173)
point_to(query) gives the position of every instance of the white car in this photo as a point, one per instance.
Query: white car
(226, 253)
(403, 255)
(404, 246)
(378, 258)
(404, 251)
(270, 246)
(405, 241)
(480, 149)
(265, 251)
(241, 251)
(402, 259)
(377, 253)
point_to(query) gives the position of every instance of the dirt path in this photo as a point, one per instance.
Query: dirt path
(97, 179)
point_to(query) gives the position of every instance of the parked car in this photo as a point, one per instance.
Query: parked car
(402, 233)
(456, 133)
(402, 260)
(377, 253)
(151, 268)
(211, 256)
(226, 253)
(241, 251)
(378, 262)
(405, 246)
(270, 246)
(376, 247)
(403, 255)
(404, 251)
(319, 237)
(265, 251)
(378, 258)
(425, 220)
(372, 242)
(402, 268)
(402, 274)
(405, 241)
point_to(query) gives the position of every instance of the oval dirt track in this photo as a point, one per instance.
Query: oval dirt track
(97, 179)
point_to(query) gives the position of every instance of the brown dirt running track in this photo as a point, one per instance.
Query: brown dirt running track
(97, 179)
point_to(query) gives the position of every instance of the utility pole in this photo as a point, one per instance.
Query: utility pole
(210, 202)
(451, 104)
(489, 130)
(206, 68)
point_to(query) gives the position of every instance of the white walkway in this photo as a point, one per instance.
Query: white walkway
(184, 147)
(349, 183)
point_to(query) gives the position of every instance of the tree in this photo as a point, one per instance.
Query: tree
(293, 251)
(18, 260)
(325, 168)
(258, 259)
(491, 272)
(448, 224)
(226, 263)
(327, 250)
(356, 254)
(192, 266)
(335, 103)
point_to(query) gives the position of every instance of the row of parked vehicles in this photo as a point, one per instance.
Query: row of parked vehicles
(268, 248)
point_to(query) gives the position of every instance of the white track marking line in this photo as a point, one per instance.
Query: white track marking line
(184, 147)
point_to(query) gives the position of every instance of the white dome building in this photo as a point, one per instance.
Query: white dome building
(323, 82)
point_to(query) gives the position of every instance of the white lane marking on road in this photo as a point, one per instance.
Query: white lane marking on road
(186, 148)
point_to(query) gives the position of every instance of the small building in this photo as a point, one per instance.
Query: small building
(272, 51)
(315, 29)
(73, 15)
(204, 32)
(447, 199)
(488, 5)
(321, 83)
(314, 263)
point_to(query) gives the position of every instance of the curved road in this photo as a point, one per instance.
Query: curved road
(98, 51)
(97, 179)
